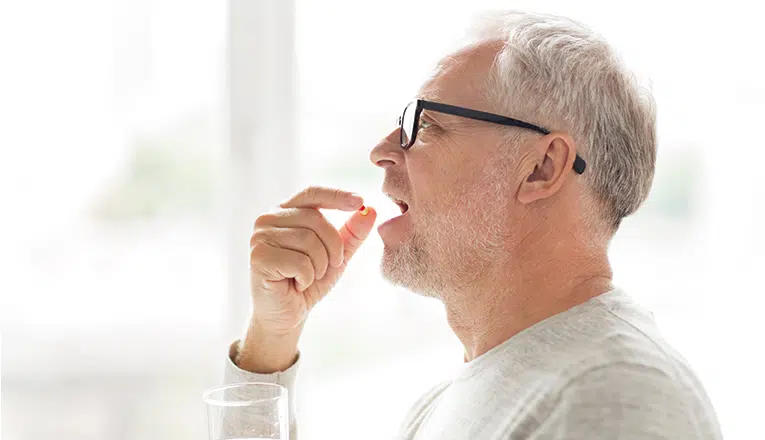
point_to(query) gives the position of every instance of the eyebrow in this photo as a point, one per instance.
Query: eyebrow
(435, 116)
(443, 119)
(429, 96)
(427, 113)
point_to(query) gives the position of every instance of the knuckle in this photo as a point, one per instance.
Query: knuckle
(312, 215)
(265, 219)
(257, 252)
(258, 236)
(335, 241)
(323, 261)
(312, 191)
(338, 250)
(334, 237)
(305, 263)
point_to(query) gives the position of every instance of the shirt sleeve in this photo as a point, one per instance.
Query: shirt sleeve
(234, 374)
(621, 402)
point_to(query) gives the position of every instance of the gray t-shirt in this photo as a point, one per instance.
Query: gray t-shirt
(599, 370)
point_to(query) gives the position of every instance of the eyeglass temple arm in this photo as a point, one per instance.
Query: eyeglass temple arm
(579, 164)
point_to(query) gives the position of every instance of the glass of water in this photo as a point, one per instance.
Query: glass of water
(247, 411)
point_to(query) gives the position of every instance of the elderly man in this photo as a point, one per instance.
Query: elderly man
(513, 170)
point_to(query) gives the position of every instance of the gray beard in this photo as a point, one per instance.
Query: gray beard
(451, 255)
(407, 266)
(458, 247)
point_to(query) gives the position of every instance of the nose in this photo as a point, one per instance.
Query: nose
(388, 151)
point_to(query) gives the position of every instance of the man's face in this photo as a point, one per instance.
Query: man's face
(455, 184)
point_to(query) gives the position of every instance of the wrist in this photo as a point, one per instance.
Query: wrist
(264, 351)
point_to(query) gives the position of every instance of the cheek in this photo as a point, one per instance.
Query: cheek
(433, 189)
(449, 197)
(441, 174)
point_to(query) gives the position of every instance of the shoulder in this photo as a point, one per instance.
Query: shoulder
(618, 380)
(628, 400)
(616, 334)
(420, 410)
(616, 372)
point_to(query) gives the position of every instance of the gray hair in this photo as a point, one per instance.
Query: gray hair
(559, 74)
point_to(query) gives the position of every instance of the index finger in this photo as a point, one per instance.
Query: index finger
(323, 197)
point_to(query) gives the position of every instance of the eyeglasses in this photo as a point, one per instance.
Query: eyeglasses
(409, 123)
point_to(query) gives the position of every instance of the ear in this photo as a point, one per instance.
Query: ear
(546, 167)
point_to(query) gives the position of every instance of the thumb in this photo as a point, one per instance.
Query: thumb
(356, 230)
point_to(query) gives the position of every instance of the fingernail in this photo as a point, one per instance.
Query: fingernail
(355, 199)
(364, 210)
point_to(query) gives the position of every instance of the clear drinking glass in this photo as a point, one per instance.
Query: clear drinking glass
(247, 411)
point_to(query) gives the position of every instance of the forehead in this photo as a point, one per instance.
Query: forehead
(459, 78)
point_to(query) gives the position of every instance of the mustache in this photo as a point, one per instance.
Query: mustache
(396, 185)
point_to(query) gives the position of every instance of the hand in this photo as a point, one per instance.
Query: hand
(296, 258)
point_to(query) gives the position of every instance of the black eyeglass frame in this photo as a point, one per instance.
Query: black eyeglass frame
(579, 163)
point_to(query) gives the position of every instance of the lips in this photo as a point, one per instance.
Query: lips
(402, 205)
(396, 229)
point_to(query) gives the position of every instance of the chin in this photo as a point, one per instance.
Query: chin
(404, 266)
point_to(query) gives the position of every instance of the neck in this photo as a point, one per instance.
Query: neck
(517, 294)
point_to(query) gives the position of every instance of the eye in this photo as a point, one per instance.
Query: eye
(424, 123)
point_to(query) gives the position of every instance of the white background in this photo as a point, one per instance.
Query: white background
(118, 278)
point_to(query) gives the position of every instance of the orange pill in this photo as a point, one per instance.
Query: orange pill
(364, 210)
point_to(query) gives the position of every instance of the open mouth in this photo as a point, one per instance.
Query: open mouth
(395, 228)
(402, 205)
